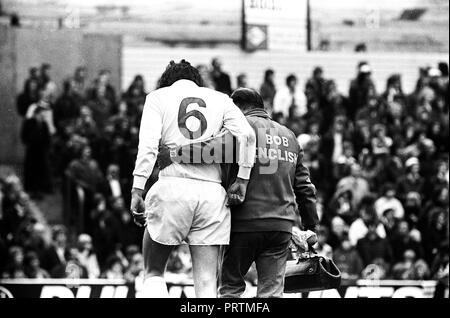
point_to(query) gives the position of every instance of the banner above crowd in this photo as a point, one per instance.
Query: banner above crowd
(275, 25)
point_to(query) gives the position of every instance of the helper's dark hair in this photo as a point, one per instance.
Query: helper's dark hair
(247, 98)
(177, 71)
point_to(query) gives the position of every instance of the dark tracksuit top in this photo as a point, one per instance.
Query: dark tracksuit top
(279, 183)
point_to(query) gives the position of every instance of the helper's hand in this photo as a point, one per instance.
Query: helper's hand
(237, 191)
(138, 207)
(163, 160)
(303, 239)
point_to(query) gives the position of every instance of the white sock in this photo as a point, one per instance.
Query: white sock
(154, 287)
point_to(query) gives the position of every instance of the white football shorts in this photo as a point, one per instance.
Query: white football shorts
(189, 210)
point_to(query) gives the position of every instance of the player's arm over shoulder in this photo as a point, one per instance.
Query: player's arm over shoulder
(236, 123)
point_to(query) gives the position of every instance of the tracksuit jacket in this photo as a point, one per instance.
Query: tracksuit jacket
(273, 199)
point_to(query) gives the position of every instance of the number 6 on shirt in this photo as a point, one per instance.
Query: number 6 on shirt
(183, 116)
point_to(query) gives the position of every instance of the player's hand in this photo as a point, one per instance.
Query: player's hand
(303, 239)
(237, 191)
(163, 159)
(138, 207)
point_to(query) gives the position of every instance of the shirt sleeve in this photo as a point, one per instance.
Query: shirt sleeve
(149, 137)
(236, 123)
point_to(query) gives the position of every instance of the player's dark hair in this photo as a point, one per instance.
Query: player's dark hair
(247, 98)
(178, 71)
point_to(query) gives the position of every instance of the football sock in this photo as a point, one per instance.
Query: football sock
(154, 287)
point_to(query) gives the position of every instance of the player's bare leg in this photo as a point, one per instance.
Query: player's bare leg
(155, 261)
(204, 263)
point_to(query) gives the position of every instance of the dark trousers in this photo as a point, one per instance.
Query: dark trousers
(269, 250)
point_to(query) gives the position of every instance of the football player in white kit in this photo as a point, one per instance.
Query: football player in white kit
(187, 203)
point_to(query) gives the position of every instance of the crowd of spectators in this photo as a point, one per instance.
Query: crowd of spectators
(378, 158)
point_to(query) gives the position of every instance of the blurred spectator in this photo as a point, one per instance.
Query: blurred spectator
(339, 230)
(46, 84)
(206, 76)
(412, 180)
(66, 108)
(114, 268)
(103, 83)
(440, 264)
(135, 268)
(381, 143)
(114, 182)
(180, 261)
(341, 205)
(129, 232)
(242, 81)
(355, 183)
(361, 89)
(410, 267)
(368, 217)
(220, 79)
(268, 89)
(105, 229)
(70, 267)
(372, 247)
(32, 266)
(36, 136)
(321, 247)
(30, 95)
(389, 201)
(86, 174)
(389, 222)
(332, 104)
(87, 257)
(436, 232)
(289, 99)
(14, 267)
(348, 260)
(333, 139)
(402, 240)
(78, 83)
(135, 96)
(55, 254)
(315, 87)
(413, 207)
(101, 98)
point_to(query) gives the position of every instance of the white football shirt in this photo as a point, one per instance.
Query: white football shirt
(185, 113)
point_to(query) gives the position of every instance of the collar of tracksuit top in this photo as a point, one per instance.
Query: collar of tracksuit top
(257, 112)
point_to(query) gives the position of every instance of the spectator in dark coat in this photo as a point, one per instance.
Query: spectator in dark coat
(29, 96)
(361, 89)
(315, 87)
(402, 240)
(55, 255)
(32, 266)
(37, 140)
(372, 247)
(348, 260)
(71, 267)
(221, 79)
(67, 107)
(268, 89)
(14, 267)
